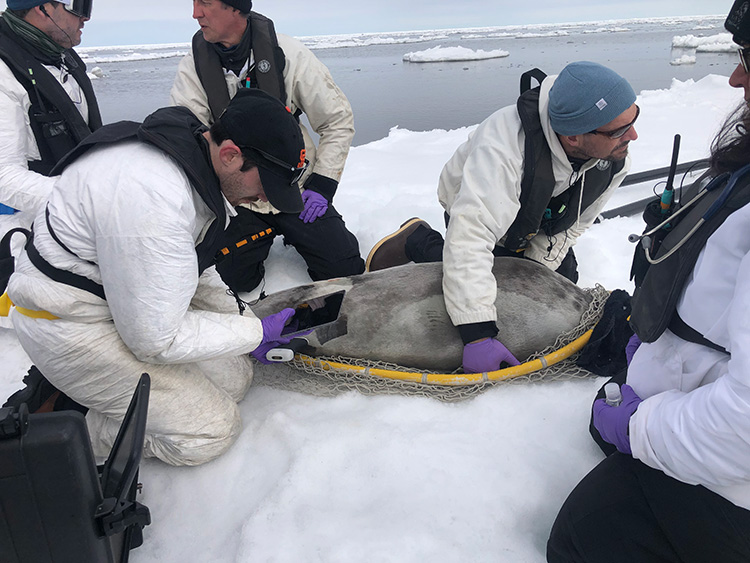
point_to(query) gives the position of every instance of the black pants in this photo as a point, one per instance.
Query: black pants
(328, 248)
(626, 512)
(426, 245)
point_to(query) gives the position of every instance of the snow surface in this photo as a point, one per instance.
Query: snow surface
(385, 478)
(444, 54)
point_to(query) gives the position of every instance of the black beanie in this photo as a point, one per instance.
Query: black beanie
(243, 6)
(738, 22)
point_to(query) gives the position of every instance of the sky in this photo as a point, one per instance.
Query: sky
(401, 478)
(165, 21)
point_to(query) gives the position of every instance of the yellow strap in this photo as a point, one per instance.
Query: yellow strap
(5, 305)
(36, 314)
(458, 379)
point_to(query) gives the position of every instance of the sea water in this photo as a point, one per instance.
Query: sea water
(387, 92)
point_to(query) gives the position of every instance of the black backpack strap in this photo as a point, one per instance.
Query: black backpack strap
(108, 134)
(528, 75)
(211, 75)
(7, 262)
(61, 276)
(680, 328)
(269, 57)
(538, 179)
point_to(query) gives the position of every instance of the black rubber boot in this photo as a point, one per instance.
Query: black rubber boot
(39, 392)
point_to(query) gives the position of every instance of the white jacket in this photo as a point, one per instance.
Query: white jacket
(309, 88)
(132, 218)
(21, 188)
(694, 422)
(480, 187)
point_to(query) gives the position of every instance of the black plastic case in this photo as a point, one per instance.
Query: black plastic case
(55, 504)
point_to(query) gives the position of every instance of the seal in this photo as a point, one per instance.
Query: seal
(398, 315)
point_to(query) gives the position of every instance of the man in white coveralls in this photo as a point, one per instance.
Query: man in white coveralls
(109, 288)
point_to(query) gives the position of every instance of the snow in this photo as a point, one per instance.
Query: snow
(390, 478)
(683, 60)
(444, 54)
(719, 43)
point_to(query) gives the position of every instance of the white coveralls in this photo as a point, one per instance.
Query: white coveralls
(480, 187)
(21, 188)
(694, 422)
(309, 88)
(132, 218)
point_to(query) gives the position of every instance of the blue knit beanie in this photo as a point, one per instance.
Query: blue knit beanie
(586, 96)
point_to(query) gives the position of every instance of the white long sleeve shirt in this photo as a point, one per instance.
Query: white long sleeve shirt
(694, 422)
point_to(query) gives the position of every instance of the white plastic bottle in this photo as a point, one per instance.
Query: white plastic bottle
(612, 393)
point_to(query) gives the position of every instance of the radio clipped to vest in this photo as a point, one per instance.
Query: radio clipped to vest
(675, 235)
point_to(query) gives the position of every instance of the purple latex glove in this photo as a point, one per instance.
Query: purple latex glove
(612, 422)
(631, 347)
(315, 206)
(486, 355)
(273, 326)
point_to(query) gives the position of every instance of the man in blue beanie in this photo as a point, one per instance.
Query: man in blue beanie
(43, 118)
(528, 182)
(237, 48)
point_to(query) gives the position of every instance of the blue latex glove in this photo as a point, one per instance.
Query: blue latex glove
(631, 347)
(273, 326)
(315, 206)
(486, 355)
(612, 422)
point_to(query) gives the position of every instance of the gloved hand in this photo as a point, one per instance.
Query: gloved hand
(612, 422)
(631, 347)
(315, 206)
(273, 325)
(486, 355)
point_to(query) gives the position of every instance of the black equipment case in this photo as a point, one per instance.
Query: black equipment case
(56, 505)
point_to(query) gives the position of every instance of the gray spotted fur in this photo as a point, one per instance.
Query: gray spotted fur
(398, 315)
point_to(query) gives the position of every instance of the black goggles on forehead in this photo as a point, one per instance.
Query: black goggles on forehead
(620, 131)
(80, 8)
(293, 172)
(744, 53)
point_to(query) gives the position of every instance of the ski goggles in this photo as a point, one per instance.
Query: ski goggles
(294, 173)
(620, 131)
(744, 54)
(80, 8)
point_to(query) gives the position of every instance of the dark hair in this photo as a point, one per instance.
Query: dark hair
(730, 149)
(219, 134)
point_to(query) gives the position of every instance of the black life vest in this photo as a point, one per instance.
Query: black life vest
(177, 132)
(539, 209)
(55, 121)
(268, 74)
(654, 303)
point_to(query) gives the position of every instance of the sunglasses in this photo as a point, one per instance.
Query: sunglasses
(744, 54)
(295, 171)
(620, 131)
(80, 8)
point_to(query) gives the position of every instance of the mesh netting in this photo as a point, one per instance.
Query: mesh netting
(315, 376)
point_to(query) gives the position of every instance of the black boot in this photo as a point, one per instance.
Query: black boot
(41, 396)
